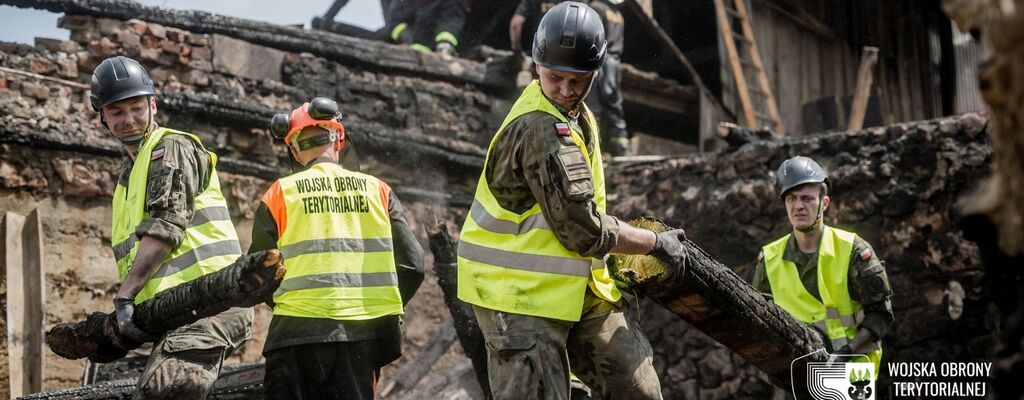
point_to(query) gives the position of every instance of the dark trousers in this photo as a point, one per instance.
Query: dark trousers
(605, 100)
(339, 370)
(426, 18)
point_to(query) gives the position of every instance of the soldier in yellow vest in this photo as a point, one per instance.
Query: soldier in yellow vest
(351, 259)
(825, 276)
(531, 249)
(170, 226)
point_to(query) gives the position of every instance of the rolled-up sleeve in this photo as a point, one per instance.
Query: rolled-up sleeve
(178, 172)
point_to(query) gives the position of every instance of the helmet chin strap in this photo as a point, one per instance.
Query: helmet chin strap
(813, 224)
(132, 140)
(593, 78)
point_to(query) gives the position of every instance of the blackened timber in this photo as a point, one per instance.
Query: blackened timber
(110, 148)
(399, 59)
(714, 299)
(369, 138)
(471, 338)
(251, 280)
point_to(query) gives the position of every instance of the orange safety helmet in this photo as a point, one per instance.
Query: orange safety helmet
(322, 112)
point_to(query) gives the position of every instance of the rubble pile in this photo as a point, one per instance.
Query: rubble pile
(895, 186)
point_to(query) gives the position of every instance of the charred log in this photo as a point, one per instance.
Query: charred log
(251, 280)
(714, 299)
(235, 382)
(470, 337)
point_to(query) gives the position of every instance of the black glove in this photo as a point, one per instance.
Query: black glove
(125, 309)
(844, 354)
(668, 248)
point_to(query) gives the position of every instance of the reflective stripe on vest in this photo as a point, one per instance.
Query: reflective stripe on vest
(209, 243)
(836, 314)
(514, 262)
(337, 246)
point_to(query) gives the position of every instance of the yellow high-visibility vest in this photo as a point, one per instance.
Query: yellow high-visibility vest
(836, 313)
(335, 235)
(513, 262)
(210, 241)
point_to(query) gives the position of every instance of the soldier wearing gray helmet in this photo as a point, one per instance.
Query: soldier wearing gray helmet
(824, 276)
(170, 225)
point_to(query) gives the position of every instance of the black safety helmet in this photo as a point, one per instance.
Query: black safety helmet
(118, 78)
(797, 171)
(570, 37)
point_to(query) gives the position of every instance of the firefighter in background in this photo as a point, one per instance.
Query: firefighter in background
(352, 263)
(605, 100)
(426, 25)
(170, 226)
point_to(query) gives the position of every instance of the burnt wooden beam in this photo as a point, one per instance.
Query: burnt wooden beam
(251, 280)
(445, 252)
(381, 56)
(370, 138)
(714, 299)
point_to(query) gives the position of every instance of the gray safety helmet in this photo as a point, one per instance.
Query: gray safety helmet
(570, 37)
(118, 78)
(797, 171)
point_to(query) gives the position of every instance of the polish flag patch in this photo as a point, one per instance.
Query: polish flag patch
(562, 129)
(866, 254)
(158, 153)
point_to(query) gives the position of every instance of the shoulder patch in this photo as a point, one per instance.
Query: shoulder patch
(562, 129)
(157, 154)
(866, 254)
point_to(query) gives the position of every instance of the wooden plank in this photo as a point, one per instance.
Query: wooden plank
(35, 298)
(737, 70)
(651, 25)
(789, 70)
(755, 57)
(21, 249)
(12, 253)
(865, 77)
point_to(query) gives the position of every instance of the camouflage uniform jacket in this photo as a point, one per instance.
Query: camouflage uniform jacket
(527, 166)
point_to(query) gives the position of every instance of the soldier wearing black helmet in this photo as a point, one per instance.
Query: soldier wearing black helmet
(824, 276)
(605, 99)
(170, 225)
(532, 247)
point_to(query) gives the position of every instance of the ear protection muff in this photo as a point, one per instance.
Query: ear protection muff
(321, 111)
(279, 125)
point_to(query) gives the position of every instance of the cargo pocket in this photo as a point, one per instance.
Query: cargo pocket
(514, 368)
(507, 347)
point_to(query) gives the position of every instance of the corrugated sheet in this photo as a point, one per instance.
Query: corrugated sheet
(967, 53)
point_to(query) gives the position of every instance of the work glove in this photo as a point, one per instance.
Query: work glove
(124, 310)
(843, 354)
(668, 248)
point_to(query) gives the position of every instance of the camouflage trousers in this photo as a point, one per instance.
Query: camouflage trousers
(531, 357)
(185, 362)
